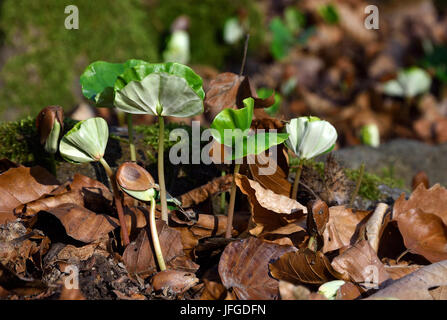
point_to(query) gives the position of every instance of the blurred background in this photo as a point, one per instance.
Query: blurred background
(317, 55)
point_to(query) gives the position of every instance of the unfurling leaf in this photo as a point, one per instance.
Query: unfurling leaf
(86, 141)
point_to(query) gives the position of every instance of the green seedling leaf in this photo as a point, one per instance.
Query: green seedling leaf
(237, 122)
(274, 108)
(86, 141)
(233, 31)
(310, 137)
(144, 195)
(53, 138)
(282, 39)
(159, 94)
(409, 83)
(295, 19)
(98, 80)
(329, 289)
(329, 13)
(370, 135)
(177, 49)
(141, 71)
(232, 128)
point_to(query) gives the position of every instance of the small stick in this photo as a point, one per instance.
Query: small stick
(247, 37)
(232, 201)
(297, 180)
(358, 184)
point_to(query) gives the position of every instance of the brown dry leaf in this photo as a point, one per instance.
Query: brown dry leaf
(71, 294)
(139, 259)
(401, 270)
(424, 233)
(222, 92)
(228, 90)
(243, 267)
(21, 185)
(343, 227)
(304, 266)
(202, 193)
(360, 264)
(289, 291)
(292, 234)
(270, 210)
(422, 221)
(418, 178)
(173, 281)
(19, 285)
(375, 225)
(348, 291)
(6, 164)
(70, 252)
(417, 285)
(82, 191)
(275, 181)
(213, 290)
(82, 224)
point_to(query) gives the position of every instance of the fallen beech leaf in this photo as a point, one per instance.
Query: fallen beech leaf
(22, 185)
(213, 290)
(71, 294)
(343, 227)
(398, 271)
(304, 266)
(82, 224)
(243, 267)
(417, 285)
(228, 90)
(82, 191)
(433, 200)
(439, 293)
(19, 285)
(289, 291)
(202, 193)
(173, 281)
(374, 226)
(276, 180)
(424, 234)
(222, 92)
(6, 164)
(360, 264)
(420, 177)
(82, 253)
(139, 259)
(422, 221)
(269, 210)
(348, 291)
(292, 234)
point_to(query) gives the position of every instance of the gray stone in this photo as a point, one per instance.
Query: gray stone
(405, 157)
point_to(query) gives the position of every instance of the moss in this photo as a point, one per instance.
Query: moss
(369, 188)
(48, 59)
(19, 141)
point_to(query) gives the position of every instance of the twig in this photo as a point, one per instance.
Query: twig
(247, 37)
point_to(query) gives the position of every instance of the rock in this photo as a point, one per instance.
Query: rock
(404, 157)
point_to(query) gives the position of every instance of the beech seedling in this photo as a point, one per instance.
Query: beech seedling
(309, 137)
(164, 89)
(98, 81)
(50, 125)
(139, 184)
(232, 129)
(86, 142)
